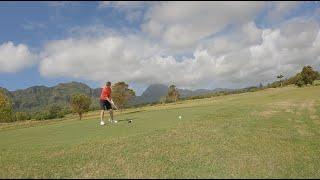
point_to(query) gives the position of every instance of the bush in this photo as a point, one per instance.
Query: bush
(55, 111)
(308, 75)
(80, 104)
(316, 83)
(6, 110)
(163, 100)
(21, 116)
(300, 83)
(52, 112)
(42, 115)
(65, 111)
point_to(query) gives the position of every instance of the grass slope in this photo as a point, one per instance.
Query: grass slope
(267, 134)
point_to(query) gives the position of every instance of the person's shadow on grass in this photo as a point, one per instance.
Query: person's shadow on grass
(126, 119)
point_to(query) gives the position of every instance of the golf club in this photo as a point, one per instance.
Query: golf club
(112, 103)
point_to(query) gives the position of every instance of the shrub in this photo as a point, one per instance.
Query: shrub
(55, 111)
(308, 75)
(21, 116)
(52, 112)
(300, 83)
(80, 104)
(42, 115)
(6, 111)
(316, 83)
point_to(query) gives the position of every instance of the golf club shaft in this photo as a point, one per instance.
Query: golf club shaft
(112, 103)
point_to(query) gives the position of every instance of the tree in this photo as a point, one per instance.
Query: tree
(55, 111)
(308, 75)
(6, 110)
(163, 100)
(80, 104)
(21, 116)
(280, 78)
(260, 85)
(173, 94)
(121, 94)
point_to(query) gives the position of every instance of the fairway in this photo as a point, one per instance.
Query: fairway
(273, 133)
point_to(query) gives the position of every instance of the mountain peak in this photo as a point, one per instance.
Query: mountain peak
(155, 90)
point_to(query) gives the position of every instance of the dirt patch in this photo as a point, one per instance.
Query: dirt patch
(265, 114)
(289, 111)
(310, 107)
(276, 107)
(286, 106)
(314, 117)
(56, 154)
(283, 104)
(268, 113)
(303, 130)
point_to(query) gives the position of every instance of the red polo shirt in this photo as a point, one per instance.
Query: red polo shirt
(106, 92)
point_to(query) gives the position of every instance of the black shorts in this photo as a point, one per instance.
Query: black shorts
(105, 105)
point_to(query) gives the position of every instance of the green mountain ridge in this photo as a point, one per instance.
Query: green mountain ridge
(37, 98)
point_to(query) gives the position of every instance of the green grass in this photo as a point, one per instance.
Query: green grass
(272, 133)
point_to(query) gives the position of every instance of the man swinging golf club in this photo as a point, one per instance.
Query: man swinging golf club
(106, 103)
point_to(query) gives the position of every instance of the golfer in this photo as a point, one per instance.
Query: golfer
(105, 102)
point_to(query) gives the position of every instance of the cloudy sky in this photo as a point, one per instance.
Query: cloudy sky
(189, 44)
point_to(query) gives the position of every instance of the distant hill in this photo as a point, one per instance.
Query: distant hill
(154, 93)
(6, 92)
(39, 97)
(188, 93)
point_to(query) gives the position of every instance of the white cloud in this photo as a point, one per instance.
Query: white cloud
(114, 57)
(181, 25)
(244, 55)
(15, 57)
(243, 36)
(248, 57)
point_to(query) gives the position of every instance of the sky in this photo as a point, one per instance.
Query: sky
(190, 44)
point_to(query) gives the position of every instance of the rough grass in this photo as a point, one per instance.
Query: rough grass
(268, 134)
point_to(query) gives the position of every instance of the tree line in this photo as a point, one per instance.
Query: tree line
(79, 104)
(307, 76)
(121, 94)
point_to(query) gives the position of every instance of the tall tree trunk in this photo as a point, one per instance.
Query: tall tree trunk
(80, 115)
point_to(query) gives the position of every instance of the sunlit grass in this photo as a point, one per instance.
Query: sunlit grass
(272, 133)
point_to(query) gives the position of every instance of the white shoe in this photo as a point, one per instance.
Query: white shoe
(102, 123)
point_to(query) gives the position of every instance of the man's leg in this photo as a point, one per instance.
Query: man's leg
(101, 115)
(111, 114)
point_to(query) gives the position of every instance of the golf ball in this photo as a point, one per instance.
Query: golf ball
(180, 117)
